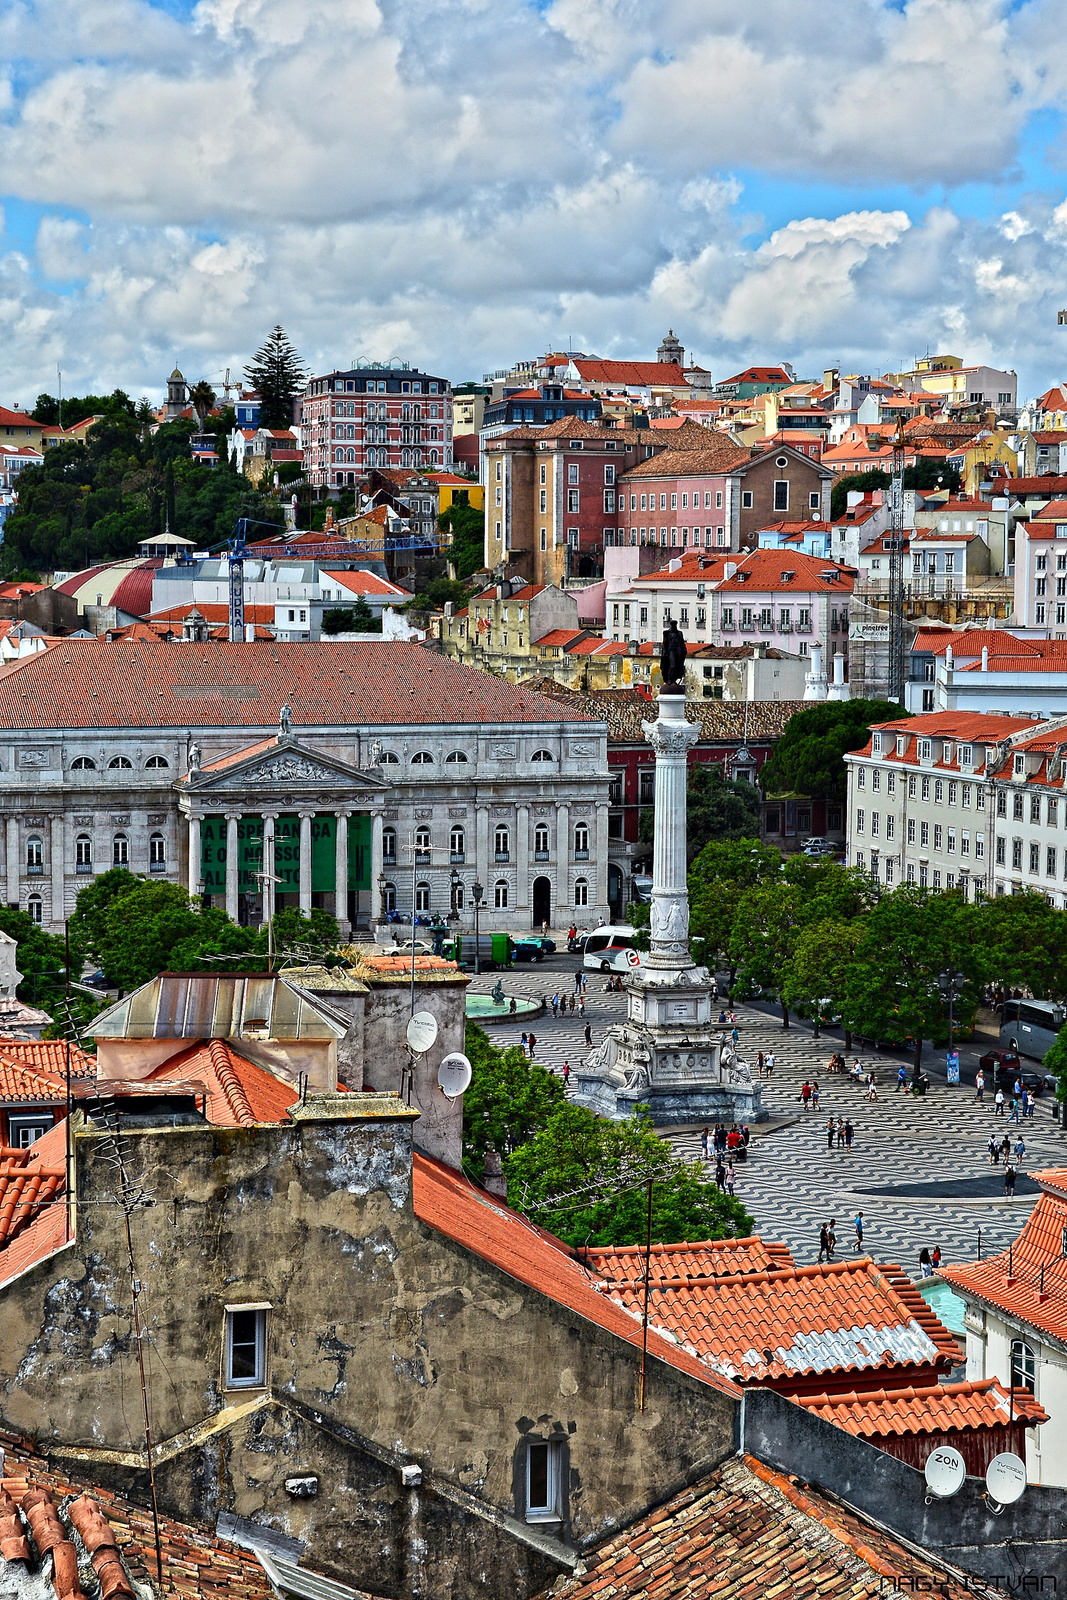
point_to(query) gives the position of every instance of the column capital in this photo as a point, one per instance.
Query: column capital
(233, 816)
(306, 816)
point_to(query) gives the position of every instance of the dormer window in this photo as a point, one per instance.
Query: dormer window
(926, 750)
(949, 747)
(1018, 769)
(902, 743)
(876, 744)
(966, 755)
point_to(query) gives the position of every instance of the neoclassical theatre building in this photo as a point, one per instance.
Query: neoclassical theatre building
(356, 777)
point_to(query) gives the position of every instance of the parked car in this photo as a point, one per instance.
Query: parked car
(527, 950)
(403, 947)
(547, 945)
(818, 848)
(642, 886)
(1003, 1068)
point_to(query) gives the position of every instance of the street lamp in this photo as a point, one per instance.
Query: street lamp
(476, 891)
(951, 985)
(381, 896)
(455, 884)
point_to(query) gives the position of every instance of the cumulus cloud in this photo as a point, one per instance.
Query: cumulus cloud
(463, 182)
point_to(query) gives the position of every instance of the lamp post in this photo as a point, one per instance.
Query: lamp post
(381, 896)
(476, 891)
(455, 884)
(951, 985)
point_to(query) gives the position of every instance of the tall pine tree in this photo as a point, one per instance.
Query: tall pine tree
(278, 376)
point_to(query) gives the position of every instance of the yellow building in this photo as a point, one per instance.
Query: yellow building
(451, 487)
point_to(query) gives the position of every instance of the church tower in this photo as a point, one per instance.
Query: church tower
(671, 349)
(177, 395)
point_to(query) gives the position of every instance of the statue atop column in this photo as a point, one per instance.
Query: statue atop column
(194, 758)
(672, 660)
(285, 721)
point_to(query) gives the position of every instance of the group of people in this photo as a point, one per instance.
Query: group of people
(839, 1131)
(929, 1261)
(1021, 1104)
(728, 1146)
(765, 1064)
(828, 1237)
(559, 1003)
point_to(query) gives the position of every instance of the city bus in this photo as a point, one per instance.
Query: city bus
(1029, 1027)
(611, 949)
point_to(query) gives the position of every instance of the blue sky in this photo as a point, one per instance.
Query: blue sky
(460, 182)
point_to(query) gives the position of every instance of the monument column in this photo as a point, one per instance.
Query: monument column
(481, 847)
(340, 882)
(13, 860)
(670, 737)
(58, 847)
(194, 855)
(233, 864)
(522, 857)
(305, 862)
(563, 875)
(377, 866)
(600, 843)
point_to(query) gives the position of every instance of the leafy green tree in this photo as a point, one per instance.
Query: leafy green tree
(927, 473)
(1023, 944)
(509, 1098)
(466, 524)
(278, 376)
(829, 890)
(75, 408)
(89, 919)
(202, 397)
(40, 957)
(717, 808)
(1056, 1061)
(719, 876)
(765, 930)
(818, 973)
(808, 757)
(910, 937)
(585, 1179)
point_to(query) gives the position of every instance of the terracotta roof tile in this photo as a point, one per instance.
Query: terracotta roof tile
(239, 1092)
(704, 458)
(448, 1202)
(774, 1325)
(634, 373)
(940, 1408)
(1029, 1280)
(713, 1258)
(153, 684)
(747, 1533)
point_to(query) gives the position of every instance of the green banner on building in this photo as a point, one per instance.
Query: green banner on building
(286, 854)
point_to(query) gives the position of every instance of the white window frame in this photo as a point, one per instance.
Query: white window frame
(258, 1380)
(546, 1508)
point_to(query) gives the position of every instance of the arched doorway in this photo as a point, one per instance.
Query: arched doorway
(616, 899)
(542, 901)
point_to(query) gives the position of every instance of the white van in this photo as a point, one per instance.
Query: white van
(611, 950)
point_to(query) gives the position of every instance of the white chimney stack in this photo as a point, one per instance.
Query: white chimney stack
(839, 689)
(985, 658)
(815, 686)
(250, 632)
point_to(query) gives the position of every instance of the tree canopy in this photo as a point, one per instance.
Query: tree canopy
(928, 473)
(807, 759)
(466, 524)
(278, 375)
(54, 413)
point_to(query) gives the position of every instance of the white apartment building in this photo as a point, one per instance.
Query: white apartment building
(1040, 599)
(962, 801)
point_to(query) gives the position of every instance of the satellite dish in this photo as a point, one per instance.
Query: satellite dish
(1005, 1479)
(422, 1031)
(945, 1471)
(454, 1075)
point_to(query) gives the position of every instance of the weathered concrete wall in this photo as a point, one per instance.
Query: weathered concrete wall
(382, 1330)
(439, 1130)
(1028, 1537)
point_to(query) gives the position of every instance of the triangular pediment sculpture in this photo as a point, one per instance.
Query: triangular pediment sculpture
(278, 761)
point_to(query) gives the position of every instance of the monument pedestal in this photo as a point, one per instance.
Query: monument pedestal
(670, 1054)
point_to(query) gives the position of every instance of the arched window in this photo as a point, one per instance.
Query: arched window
(457, 844)
(34, 854)
(581, 892)
(83, 853)
(157, 852)
(1023, 1365)
(389, 758)
(390, 897)
(581, 842)
(501, 843)
(455, 756)
(388, 844)
(422, 758)
(83, 764)
(500, 895)
(119, 761)
(422, 897)
(120, 850)
(35, 909)
(422, 844)
(542, 755)
(157, 761)
(433, 458)
(541, 844)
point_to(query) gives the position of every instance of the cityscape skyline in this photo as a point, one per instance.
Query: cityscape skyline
(851, 188)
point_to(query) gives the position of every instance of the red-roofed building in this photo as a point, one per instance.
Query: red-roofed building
(374, 417)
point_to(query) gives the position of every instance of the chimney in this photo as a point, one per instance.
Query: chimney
(815, 686)
(250, 632)
(838, 688)
(729, 568)
(985, 658)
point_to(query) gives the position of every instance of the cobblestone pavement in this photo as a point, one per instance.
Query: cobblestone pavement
(791, 1182)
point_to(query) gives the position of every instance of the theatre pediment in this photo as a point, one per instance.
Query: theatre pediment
(281, 763)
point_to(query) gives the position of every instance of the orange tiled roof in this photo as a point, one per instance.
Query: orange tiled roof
(703, 459)
(773, 1325)
(560, 636)
(240, 1093)
(449, 1203)
(42, 1061)
(969, 641)
(746, 1531)
(762, 571)
(1028, 1281)
(639, 373)
(29, 1180)
(941, 1408)
(625, 1263)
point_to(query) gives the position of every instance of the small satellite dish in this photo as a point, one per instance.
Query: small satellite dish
(454, 1075)
(945, 1471)
(422, 1031)
(1005, 1479)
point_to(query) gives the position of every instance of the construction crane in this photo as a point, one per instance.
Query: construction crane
(896, 667)
(236, 549)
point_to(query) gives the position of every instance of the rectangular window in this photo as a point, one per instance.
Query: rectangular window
(1050, 861)
(965, 843)
(911, 830)
(663, 502)
(674, 502)
(1002, 804)
(965, 796)
(1035, 808)
(544, 501)
(246, 1347)
(542, 1481)
(939, 791)
(891, 782)
(912, 785)
(572, 472)
(939, 836)
(1035, 857)
(924, 833)
(952, 793)
(874, 824)
(922, 877)
(861, 777)
(746, 499)
(1017, 855)
(859, 821)
(1053, 813)
(572, 500)
(876, 776)
(979, 847)
(781, 494)
(950, 844)
(609, 476)
(890, 825)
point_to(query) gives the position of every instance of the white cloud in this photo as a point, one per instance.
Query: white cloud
(463, 181)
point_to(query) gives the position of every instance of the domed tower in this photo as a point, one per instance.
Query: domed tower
(671, 349)
(177, 394)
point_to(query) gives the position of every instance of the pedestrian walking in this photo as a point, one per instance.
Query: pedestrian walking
(998, 1103)
(805, 1095)
(1013, 1113)
(831, 1239)
(849, 1131)
(720, 1174)
(902, 1080)
(770, 1063)
(581, 1005)
(555, 1004)
(824, 1240)
(578, 980)
(1020, 1149)
(1009, 1179)
(759, 1065)
(840, 1133)
(533, 1042)
(525, 1042)
(872, 1092)
(572, 1005)
(935, 1259)
(925, 1270)
(859, 1233)
(815, 1096)
(588, 1035)
(994, 1150)
(704, 1143)
(831, 1129)
(979, 1086)
(1005, 1146)
(731, 1177)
